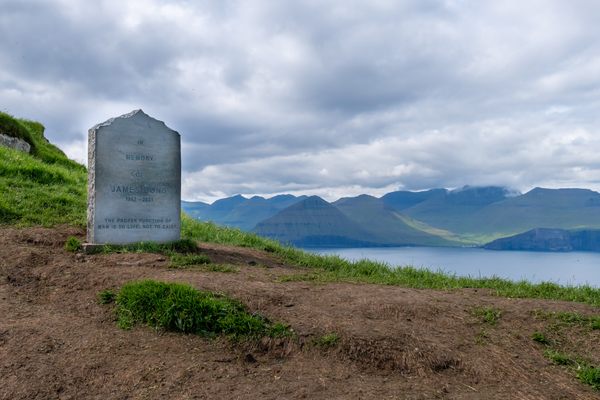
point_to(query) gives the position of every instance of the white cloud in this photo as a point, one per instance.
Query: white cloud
(332, 98)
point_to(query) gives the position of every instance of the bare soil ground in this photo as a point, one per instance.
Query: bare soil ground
(57, 341)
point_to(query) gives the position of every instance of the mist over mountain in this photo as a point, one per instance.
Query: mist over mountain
(438, 217)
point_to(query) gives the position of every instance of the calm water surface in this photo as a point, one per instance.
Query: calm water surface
(576, 268)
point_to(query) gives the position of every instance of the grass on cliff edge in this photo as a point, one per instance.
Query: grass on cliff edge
(41, 188)
(328, 268)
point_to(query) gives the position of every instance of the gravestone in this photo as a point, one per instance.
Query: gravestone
(134, 181)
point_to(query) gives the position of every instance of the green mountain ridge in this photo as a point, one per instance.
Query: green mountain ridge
(390, 226)
(313, 222)
(438, 217)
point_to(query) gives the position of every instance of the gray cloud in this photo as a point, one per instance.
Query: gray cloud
(332, 98)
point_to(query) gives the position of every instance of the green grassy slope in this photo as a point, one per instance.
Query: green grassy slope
(41, 188)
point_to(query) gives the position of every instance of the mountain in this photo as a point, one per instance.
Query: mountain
(220, 208)
(436, 217)
(452, 209)
(401, 200)
(389, 225)
(194, 209)
(544, 239)
(313, 222)
(238, 211)
(256, 209)
(538, 208)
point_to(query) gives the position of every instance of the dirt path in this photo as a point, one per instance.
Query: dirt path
(56, 341)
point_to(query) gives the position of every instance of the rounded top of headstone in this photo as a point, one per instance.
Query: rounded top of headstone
(138, 116)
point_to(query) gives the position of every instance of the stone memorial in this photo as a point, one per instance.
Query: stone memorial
(134, 181)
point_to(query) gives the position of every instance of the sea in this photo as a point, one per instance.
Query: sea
(571, 269)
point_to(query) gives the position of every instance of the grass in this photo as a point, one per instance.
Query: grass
(589, 375)
(488, 315)
(326, 341)
(73, 244)
(562, 319)
(224, 268)
(42, 188)
(181, 308)
(481, 337)
(333, 269)
(557, 357)
(106, 296)
(540, 337)
(185, 246)
(186, 260)
(561, 326)
(585, 372)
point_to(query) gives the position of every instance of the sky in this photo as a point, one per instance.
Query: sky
(332, 98)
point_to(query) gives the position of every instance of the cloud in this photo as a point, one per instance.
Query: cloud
(327, 97)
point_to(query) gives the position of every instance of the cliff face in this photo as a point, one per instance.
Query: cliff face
(544, 239)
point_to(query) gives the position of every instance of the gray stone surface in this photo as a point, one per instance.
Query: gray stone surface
(14, 143)
(134, 181)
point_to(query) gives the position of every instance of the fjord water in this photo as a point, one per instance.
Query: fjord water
(574, 268)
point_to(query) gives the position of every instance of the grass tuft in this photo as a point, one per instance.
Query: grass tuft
(186, 260)
(106, 296)
(540, 338)
(328, 340)
(181, 308)
(488, 315)
(73, 244)
(589, 375)
(558, 358)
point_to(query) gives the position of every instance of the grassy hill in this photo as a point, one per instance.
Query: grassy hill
(41, 188)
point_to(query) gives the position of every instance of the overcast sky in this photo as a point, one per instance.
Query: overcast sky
(333, 98)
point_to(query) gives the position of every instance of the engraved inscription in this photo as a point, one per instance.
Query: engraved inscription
(139, 157)
(137, 223)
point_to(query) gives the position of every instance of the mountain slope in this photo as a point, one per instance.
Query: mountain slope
(315, 222)
(256, 209)
(238, 211)
(452, 210)
(539, 208)
(195, 209)
(401, 200)
(389, 225)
